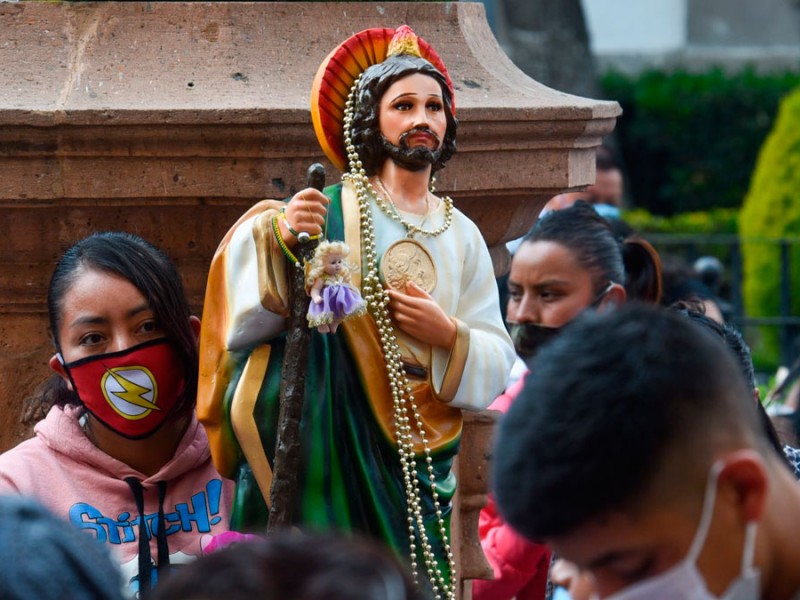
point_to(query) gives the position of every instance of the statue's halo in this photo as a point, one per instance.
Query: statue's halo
(343, 65)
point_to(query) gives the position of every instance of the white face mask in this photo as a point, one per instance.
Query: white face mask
(684, 582)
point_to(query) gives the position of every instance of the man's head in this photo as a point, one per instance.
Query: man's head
(48, 558)
(606, 453)
(608, 185)
(293, 566)
(367, 137)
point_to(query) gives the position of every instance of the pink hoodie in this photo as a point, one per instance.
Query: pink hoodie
(85, 486)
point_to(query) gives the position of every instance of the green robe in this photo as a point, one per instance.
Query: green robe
(351, 477)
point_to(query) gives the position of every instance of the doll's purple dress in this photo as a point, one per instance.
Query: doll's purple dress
(340, 300)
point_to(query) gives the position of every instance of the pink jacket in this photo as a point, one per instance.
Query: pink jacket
(85, 486)
(520, 566)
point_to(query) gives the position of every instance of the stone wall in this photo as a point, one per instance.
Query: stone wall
(169, 120)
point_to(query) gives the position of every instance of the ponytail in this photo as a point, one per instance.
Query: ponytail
(598, 250)
(642, 270)
(51, 392)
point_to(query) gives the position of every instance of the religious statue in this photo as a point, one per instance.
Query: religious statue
(381, 419)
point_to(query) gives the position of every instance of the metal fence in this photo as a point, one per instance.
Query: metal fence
(727, 248)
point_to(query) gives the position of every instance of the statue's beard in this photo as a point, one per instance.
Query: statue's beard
(416, 158)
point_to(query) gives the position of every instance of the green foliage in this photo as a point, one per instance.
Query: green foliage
(772, 211)
(690, 140)
(709, 222)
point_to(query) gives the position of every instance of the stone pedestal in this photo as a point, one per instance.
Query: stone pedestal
(169, 120)
(472, 469)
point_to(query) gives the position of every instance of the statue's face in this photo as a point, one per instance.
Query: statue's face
(412, 113)
(402, 115)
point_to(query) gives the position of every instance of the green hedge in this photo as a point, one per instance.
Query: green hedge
(709, 222)
(690, 141)
(771, 211)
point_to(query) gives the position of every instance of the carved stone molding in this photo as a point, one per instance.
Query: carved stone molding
(170, 119)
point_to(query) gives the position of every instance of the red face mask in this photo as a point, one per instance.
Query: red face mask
(133, 391)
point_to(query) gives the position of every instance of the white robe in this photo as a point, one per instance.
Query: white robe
(465, 289)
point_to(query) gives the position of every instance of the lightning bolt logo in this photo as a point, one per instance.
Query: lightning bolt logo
(131, 391)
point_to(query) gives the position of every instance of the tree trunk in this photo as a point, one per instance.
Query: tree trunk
(548, 40)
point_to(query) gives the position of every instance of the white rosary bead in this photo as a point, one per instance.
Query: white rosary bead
(402, 395)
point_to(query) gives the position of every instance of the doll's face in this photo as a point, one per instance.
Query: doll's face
(334, 263)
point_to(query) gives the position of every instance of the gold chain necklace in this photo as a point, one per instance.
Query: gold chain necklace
(404, 405)
(390, 210)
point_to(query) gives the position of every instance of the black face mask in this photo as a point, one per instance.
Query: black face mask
(528, 338)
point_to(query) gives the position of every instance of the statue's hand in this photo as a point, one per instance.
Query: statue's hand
(305, 212)
(417, 314)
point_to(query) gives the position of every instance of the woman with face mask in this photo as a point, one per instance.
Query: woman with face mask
(569, 262)
(120, 453)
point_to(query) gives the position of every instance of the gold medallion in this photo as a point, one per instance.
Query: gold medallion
(407, 260)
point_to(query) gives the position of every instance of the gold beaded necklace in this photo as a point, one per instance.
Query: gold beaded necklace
(404, 405)
(390, 210)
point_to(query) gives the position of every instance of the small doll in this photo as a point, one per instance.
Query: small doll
(333, 297)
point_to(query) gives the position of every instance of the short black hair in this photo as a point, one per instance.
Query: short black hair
(49, 559)
(293, 566)
(606, 159)
(612, 407)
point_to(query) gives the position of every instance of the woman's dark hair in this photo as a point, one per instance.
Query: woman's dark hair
(292, 566)
(681, 283)
(51, 558)
(366, 133)
(695, 312)
(632, 262)
(154, 275)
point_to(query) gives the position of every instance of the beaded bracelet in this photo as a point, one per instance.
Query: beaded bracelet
(296, 234)
(282, 244)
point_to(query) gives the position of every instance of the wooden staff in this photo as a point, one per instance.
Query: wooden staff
(283, 494)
